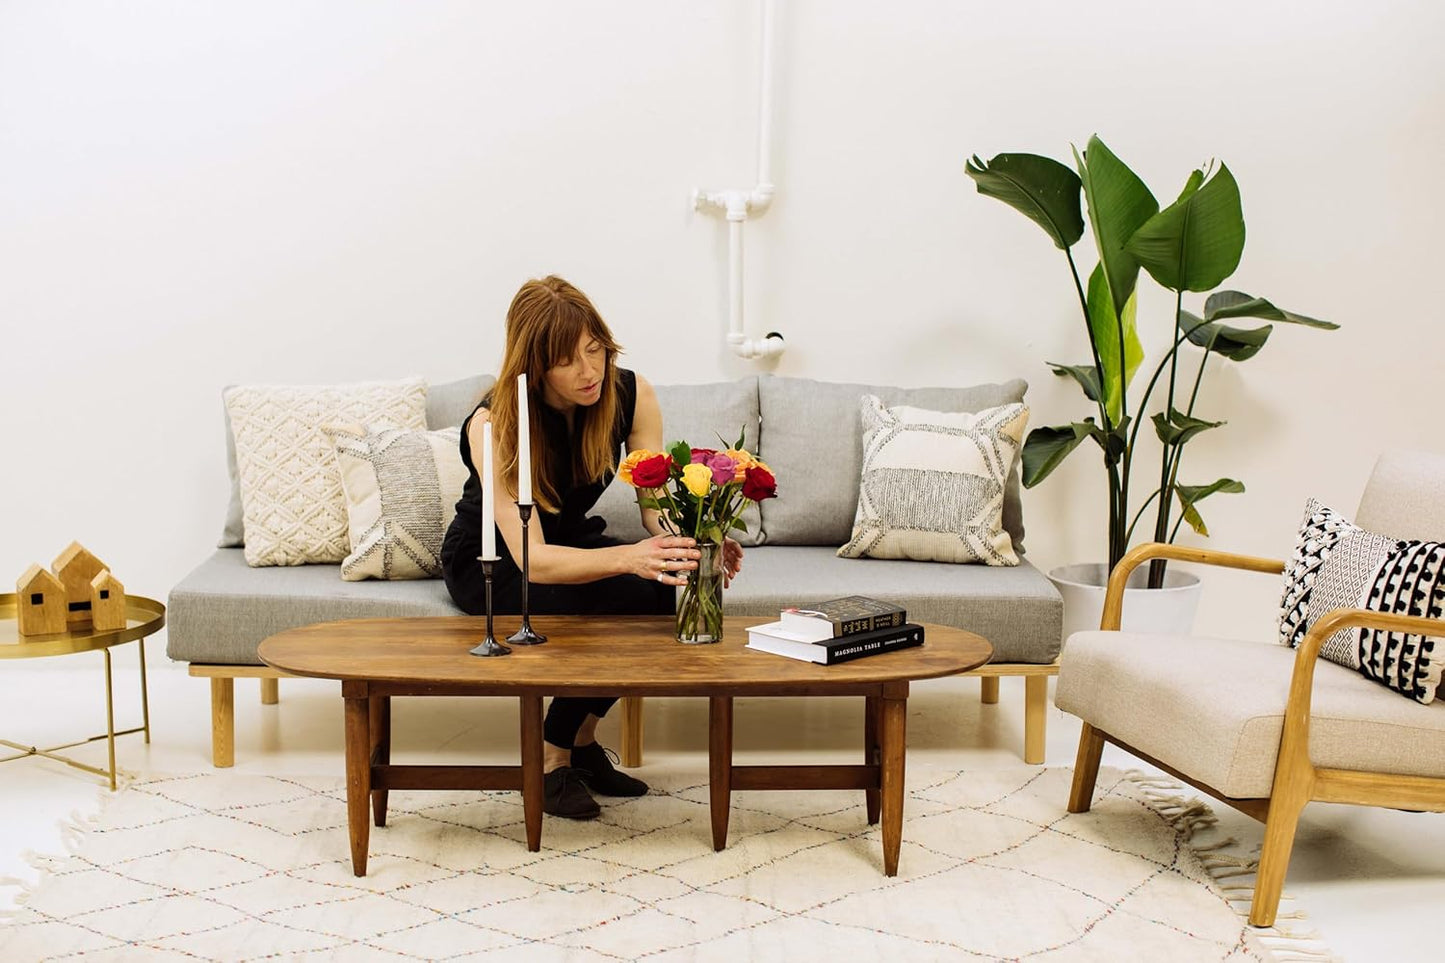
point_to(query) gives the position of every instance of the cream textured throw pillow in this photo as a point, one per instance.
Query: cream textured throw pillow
(933, 483)
(401, 488)
(291, 496)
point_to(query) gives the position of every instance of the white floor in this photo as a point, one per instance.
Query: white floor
(1371, 881)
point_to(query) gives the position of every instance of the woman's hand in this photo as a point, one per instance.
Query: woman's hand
(732, 560)
(666, 558)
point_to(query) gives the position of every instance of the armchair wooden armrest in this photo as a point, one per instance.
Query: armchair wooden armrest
(1119, 577)
(1295, 740)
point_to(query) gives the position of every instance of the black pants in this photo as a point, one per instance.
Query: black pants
(616, 595)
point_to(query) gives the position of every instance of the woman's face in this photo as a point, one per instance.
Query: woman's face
(578, 380)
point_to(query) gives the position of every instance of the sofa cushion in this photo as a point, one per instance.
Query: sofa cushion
(696, 414)
(402, 488)
(812, 438)
(1017, 609)
(223, 609)
(1165, 695)
(291, 495)
(447, 404)
(1336, 564)
(933, 483)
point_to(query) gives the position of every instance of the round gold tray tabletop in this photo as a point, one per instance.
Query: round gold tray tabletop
(143, 616)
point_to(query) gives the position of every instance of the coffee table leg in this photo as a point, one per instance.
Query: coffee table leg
(358, 777)
(720, 766)
(380, 726)
(891, 721)
(870, 751)
(532, 770)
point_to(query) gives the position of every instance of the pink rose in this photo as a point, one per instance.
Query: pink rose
(724, 469)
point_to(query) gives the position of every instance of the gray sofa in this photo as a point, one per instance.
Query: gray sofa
(808, 431)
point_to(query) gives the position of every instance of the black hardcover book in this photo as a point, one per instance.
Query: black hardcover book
(850, 615)
(833, 651)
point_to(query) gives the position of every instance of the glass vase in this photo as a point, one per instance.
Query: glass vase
(700, 602)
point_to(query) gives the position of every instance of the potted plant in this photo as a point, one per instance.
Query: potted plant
(1192, 245)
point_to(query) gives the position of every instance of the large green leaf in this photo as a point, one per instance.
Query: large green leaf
(1196, 242)
(1106, 328)
(1176, 428)
(1191, 495)
(1119, 204)
(1046, 448)
(1041, 188)
(1085, 374)
(1237, 304)
(1236, 344)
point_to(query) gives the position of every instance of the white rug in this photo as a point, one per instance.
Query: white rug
(234, 867)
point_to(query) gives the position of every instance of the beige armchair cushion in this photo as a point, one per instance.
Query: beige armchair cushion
(1214, 709)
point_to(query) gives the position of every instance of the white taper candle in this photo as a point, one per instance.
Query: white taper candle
(524, 444)
(489, 504)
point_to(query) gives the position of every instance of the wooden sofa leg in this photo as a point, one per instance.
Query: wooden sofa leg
(632, 731)
(1086, 769)
(1036, 717)
(270, 691)
(223, 723)
(988, 690)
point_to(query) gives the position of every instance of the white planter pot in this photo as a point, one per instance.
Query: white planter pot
(1165, 610)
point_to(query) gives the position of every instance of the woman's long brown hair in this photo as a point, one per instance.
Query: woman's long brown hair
(545, 323)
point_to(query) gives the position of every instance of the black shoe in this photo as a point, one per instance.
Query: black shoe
(593, 765)
(564, 795)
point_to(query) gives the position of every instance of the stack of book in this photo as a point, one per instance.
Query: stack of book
(837, 630)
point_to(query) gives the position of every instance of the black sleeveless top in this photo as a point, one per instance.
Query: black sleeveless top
(569, 525)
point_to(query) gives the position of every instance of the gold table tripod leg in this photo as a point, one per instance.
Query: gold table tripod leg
(53, 752)
(109, 719)
(145, 702)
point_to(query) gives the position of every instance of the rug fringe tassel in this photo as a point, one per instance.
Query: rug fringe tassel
(1233, 869)
(73, 829)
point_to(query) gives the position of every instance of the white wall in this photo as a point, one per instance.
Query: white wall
(198, 194)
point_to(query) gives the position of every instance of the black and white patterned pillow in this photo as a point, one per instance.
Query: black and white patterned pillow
(1337, 564)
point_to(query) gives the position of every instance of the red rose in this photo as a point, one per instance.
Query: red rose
(702, 454)
(759, 483)
(652, 472)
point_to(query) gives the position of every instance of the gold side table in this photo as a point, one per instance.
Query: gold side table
(143, 617)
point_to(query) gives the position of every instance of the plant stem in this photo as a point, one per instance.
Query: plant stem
(1118, 498)
(1168, 465)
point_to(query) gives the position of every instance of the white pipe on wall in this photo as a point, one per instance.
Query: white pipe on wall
(738, 205)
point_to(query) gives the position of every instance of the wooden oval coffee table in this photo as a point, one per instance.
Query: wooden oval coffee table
(376, 659)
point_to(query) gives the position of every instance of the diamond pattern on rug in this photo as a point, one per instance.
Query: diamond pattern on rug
(238, 867)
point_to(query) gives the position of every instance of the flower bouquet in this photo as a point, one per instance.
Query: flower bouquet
(701, 493)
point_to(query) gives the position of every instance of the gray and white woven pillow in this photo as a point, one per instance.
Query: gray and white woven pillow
(932, 485)
(401, 490)
(1337, 564)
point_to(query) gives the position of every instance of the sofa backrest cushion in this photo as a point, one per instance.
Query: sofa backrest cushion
(696, 414)
(447, 404)
(812, 438)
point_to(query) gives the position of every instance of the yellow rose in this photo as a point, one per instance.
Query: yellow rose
(697, 478)
(624, 470)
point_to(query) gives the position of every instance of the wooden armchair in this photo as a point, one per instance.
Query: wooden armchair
(1257, 725)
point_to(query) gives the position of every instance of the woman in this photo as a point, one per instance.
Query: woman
(583, 408)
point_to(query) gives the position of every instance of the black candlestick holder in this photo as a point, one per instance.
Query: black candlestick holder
(526, 635)
(490, 645)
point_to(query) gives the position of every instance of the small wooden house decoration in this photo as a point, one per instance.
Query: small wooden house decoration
(75, 567)
(41, 605)
(107, 602)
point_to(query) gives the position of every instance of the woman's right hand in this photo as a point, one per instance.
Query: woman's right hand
(665, 558)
